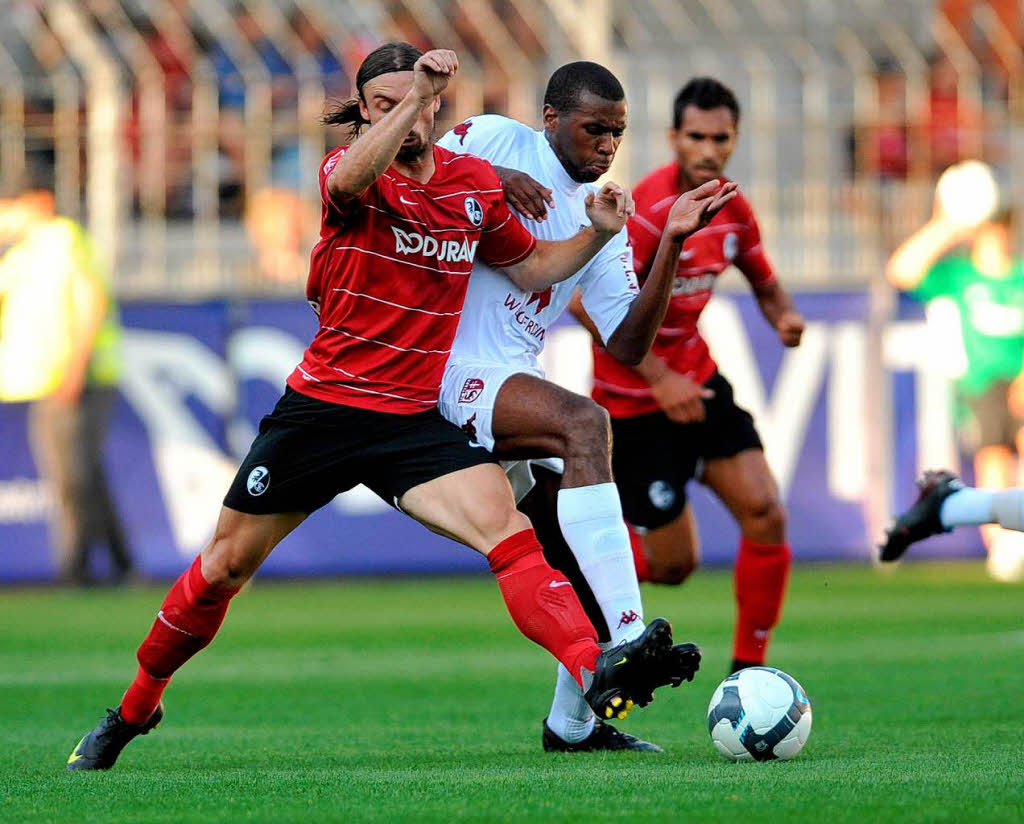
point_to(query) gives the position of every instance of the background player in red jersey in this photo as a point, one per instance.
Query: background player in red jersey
(673, 416)
(402, 223)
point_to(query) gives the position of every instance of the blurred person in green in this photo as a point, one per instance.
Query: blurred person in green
(968, 270)
(60, 351)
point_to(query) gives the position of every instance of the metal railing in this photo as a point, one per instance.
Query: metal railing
(186, 134)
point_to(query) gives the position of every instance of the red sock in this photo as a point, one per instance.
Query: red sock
(760, 580)
(190, 616)
(543, 604)
(643, 569)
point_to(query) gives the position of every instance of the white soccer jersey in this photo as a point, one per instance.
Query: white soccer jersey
(500, 322)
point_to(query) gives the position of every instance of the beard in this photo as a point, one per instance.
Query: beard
(411, 152)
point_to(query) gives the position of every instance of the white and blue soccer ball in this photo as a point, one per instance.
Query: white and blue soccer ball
(759, 714)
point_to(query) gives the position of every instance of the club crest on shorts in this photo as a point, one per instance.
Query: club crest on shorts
(730, 245)
(662, 495)
(258, 481)
(471, 390)
(474, 211)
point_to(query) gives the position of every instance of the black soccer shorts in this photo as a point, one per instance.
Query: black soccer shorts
(308, 451)
(653, 457)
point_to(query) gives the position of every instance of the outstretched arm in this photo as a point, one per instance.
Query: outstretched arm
(918, 253)
(366, 160)
(555, 260)
(691, 212)
(680, 397)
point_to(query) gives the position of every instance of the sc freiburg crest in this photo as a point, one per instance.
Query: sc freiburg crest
(474, 211)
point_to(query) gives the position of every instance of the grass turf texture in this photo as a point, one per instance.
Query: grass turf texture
(409, 700)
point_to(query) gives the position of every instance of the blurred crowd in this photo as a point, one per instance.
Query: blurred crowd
(222, 99)
(933, 115)
(227, 45)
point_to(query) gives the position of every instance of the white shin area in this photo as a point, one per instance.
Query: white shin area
(592, 525)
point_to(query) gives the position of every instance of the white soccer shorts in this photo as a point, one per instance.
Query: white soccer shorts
(468, 393)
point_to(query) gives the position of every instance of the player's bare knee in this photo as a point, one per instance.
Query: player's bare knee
(672, 573)
(496, 523)
(765, 521)
(589, 429)
(230, 560)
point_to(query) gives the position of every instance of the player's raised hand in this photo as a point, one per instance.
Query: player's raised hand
(693, 210)
(432, 72)
(790, 327)
(610, 208)
(524, 194)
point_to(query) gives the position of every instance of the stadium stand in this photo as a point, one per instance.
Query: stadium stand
(185, 132)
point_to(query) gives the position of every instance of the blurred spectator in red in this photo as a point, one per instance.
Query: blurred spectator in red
(951, 118)
(881, 148)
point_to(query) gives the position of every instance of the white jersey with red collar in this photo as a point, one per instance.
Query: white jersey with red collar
(501, 323)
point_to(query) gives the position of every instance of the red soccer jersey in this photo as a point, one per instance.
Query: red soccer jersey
(732, 237)
(388, 278)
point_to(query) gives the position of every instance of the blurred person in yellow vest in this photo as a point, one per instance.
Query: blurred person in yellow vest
(60, 351)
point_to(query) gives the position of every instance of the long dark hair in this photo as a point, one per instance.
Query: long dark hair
(391, 57)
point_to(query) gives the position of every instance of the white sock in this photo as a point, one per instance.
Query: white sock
(967, 507)
(1008, 508)
(570, 718)
(592, 525)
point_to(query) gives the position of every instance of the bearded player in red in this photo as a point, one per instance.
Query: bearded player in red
(673, 416)
(403, 221)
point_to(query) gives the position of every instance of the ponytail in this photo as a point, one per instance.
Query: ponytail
(346, 114)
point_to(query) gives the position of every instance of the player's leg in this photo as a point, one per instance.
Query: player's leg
(195, 607)
(672, 552)
(187, 621)
(475, 506)
(540, 505)
(652, 460)
(571, 725)
(944, 503)
(532, 417)
(290, 470)
(745, 484)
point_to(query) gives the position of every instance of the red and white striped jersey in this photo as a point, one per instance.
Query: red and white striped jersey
(732, 238)
(388, 280)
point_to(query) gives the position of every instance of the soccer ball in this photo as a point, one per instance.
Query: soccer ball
(759, 714)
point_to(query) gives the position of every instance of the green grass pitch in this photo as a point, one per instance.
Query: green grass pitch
(418, 701)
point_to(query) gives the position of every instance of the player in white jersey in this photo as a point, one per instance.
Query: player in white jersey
(494, 386)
